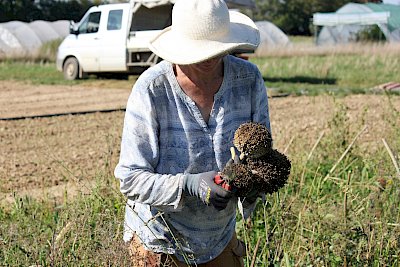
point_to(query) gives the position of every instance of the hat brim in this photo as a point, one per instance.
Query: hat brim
(243, 35)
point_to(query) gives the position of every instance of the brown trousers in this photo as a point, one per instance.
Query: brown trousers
(232, 256)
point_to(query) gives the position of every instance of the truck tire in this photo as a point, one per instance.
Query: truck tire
(71, 69)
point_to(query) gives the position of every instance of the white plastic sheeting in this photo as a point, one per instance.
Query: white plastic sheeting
(334, 19)
(353, 18)
(392, 2)
(270, 36)
(18, 37)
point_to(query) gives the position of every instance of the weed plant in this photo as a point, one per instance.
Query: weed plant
(48, 51)
(86, 231)
(341, 207)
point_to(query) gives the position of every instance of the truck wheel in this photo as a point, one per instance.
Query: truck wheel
(71, 69)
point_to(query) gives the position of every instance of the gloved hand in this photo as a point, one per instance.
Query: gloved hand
(218, 178)
(203, 186)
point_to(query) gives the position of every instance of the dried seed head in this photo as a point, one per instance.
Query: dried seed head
(271, 171)
(239, 176)
(253, 139)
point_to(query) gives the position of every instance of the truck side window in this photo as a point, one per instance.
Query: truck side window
(156, 18)
(91, 23)
(114, 20)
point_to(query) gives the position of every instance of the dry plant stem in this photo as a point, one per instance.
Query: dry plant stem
(345, 153)
(263, 252)
(345, 198)
(308, 158)
(185, 256)
(161, 215)
(298, 228)
(62, 233)
(288, 145)
(76, 179)
(253, 261)
(233, 153)
(279, 250)
(315, 145)
(370, 243)
(246, 238)
(266, 225)
(395, 164)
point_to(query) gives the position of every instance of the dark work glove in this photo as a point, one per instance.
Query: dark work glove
(219, 180)
(203, 186)
(252, 196)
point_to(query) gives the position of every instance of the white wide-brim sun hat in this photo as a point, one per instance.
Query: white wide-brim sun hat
(203, 29)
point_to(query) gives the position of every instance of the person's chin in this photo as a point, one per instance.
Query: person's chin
(207, 67)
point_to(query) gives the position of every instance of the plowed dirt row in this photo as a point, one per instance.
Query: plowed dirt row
(58, 156)
(18, 100)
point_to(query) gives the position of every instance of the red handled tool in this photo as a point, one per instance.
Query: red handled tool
(220, 181)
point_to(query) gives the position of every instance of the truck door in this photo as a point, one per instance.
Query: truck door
(113, 41)
(88, 38)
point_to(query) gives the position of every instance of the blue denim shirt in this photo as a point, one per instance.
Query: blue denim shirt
(166, 138)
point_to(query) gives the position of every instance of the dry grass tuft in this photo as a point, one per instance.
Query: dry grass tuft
(310, 49)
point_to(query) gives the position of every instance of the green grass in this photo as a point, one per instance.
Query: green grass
(339, 74)
(46, 73)
(35, 73)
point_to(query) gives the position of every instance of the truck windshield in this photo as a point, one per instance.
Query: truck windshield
(156, 18)
(91, 23)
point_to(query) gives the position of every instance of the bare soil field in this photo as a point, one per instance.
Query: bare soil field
(25, 100)
(56, 157)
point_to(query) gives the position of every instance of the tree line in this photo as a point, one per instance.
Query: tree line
(292, 16)
(49, 10)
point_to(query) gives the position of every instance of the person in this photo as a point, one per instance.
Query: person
(178, 130)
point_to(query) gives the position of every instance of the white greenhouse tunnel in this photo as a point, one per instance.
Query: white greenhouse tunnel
(392, 2)
(271, 36)
(18, 37)
(342, 26)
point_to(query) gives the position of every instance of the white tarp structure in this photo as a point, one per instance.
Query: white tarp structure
(24, 38)
(270, 36)
(344, 25)
(392, 2)
(335, 19)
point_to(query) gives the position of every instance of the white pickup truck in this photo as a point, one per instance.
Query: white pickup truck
(113, 38)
